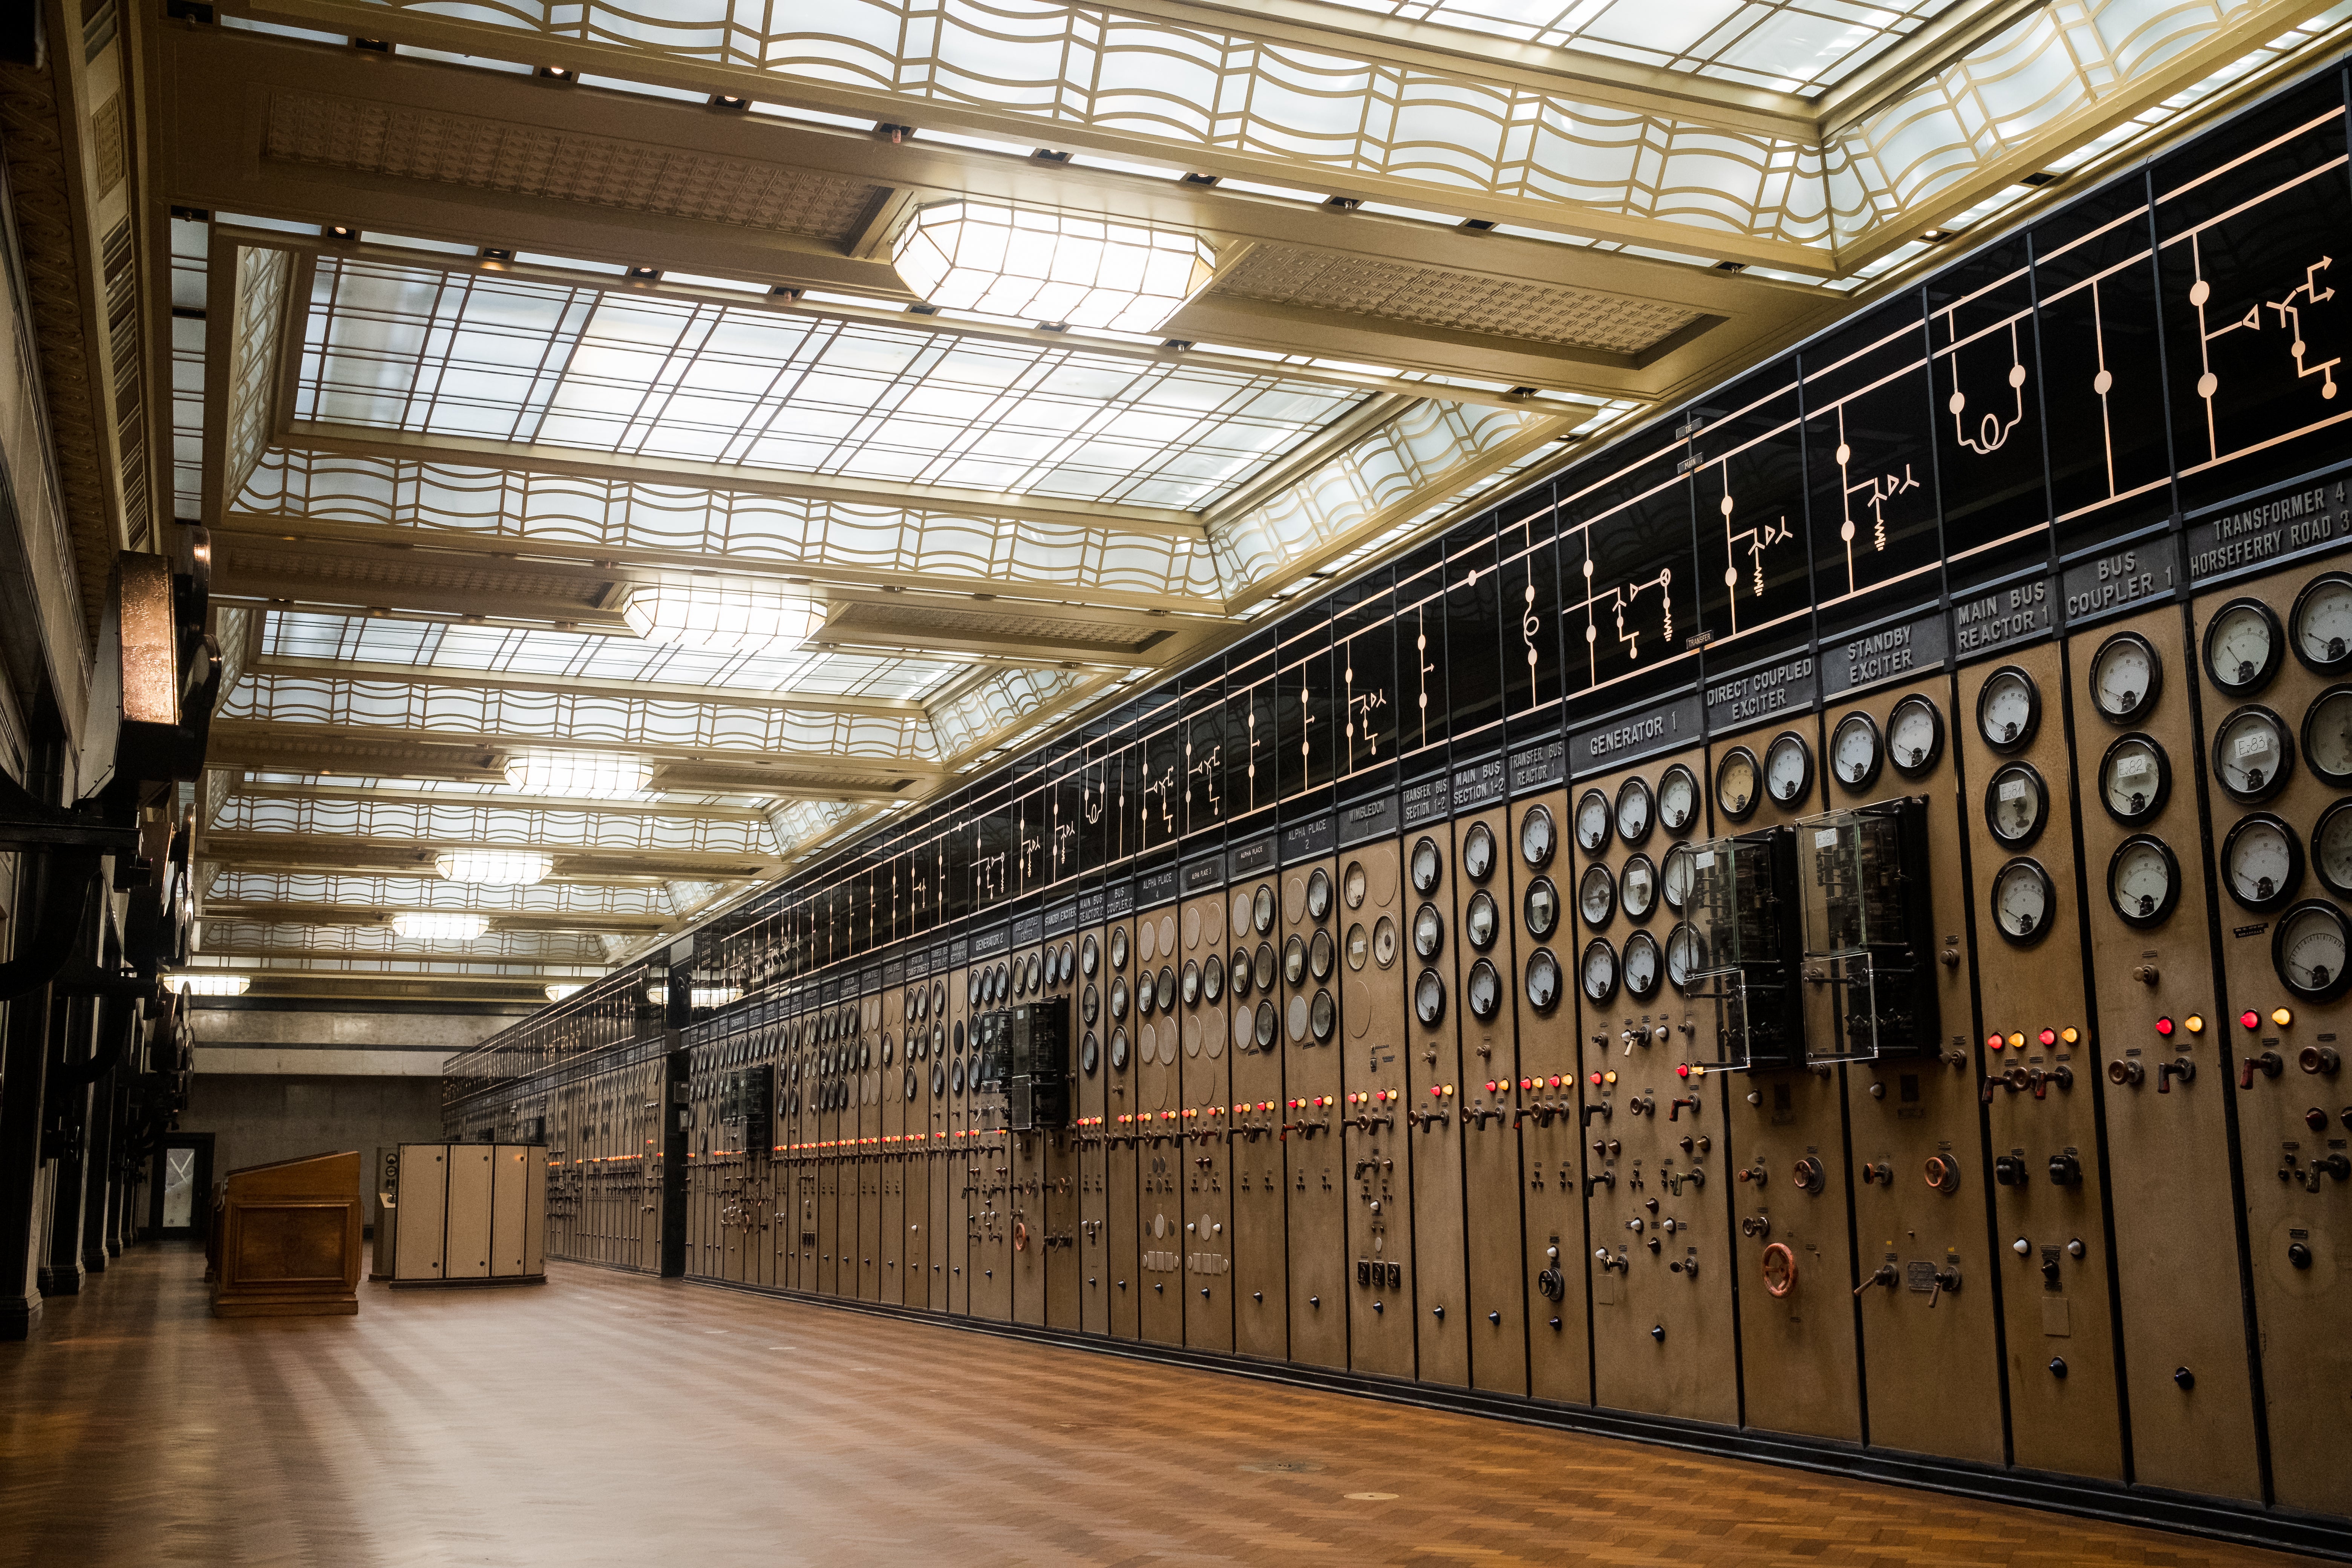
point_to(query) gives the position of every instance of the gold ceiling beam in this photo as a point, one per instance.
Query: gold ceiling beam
(556, 971)
(585, 686)
(281, 912)
(235, 737)
(395, 795)
(579, 863)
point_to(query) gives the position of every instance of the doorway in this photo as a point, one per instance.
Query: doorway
(183, 1186)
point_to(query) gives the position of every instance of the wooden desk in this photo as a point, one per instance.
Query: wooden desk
(285, 1239)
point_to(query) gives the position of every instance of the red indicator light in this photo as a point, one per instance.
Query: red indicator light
(2049, 1037)
(1596, 1077)
(1992, 1042)
(1490, 1086)
(2164, 1026)
(2250, 1019)
(1683, 1070)
(1435, 1091)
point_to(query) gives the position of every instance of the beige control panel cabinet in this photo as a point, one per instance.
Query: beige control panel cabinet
(468, 1213)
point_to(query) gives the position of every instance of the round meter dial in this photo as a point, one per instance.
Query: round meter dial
(1736, 784)
(1685, 956)
(1635, 811)
(1857, 751)
(1354, 883)
(1425, 865)
(1212, 980)
(1915, 736)
(1262, 908)
(1597, 971)
(2134, 778)
(1481, 921)
(2252, 755)
(1676, 879)
(2331, 849)
(2241, 647)
(1384, 941)
(1428, 931)
(1644, 967)
(2320, 626)
(1429, 997)
(1089, 957)
(2261, 862)
(1638, 887)
(1539, 837)
(2009, 709)
(2327, 736)
(2016, 804)
(2023, 901)
(2143, 880)
(1591, 821)
(1318, 893)
(1789, 769)
(1118, 947)
(1596, 896)
(1677, 798)
(1478, 852)
(2126, 678)
(1540, 908)
(1482, 991)
(2309, 951)
(1543, 980)
(1294, 959)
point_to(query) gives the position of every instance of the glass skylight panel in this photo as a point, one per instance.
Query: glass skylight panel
(505, 358)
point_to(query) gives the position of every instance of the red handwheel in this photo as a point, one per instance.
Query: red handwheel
(1780, 1269)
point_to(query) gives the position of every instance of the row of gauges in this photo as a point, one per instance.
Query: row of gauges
(989, 984)
(1643, 963)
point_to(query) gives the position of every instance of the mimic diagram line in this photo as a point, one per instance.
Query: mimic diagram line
(1879, 487)
(1759, 539)
(2290, 317)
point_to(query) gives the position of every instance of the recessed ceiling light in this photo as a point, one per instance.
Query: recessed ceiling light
(2039, 177)
(588, 775)
(720, 613)
(208, 985)
(1050, 155)
(1054, 266)
(644, 274)
(495, 253)
(494, 867)
(555, 73)
(1731, 267)
(728, 101)
(373, 45)
(440, 925)
(1935, 236)
(1196, 179)
(783, 291)
(1478, 225)
(897, 134)
(1344, 204)
(342, 231)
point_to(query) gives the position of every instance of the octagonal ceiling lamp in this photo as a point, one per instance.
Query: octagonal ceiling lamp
(494, 867)
(440, 925)
(730, 615)
(1049, 267)
(582, 775)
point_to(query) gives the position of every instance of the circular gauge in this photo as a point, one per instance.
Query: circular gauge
(1679, 875)
(2327, 736)
(1482, 991)
(1591, 821)
(1261, 909)
(1089, 957)
(1677, 798)
(974, 983)
(1241, 974)
(913, 1083)
(1167, 988)
(2023, 901)
(2009, 709)
(2143, 880)
(890, 1048)
(1265, 1024)
(1429, 997)
(1353, 885)
(1191, 984)
(1360, 945)
(1644, 967)
(1787, 768)
(1318, 893)
(2321, 623)
(1384, 941)
(1144, 998)
(1118, 947)
(1597, 971)
(1596, 896)
(1543, 980)
(1262, 967)
(1478, 852)
(1318, 955)
(1322, 1017)
(1294, 959)
(1915, 736)
(2252, 755)
(1481, 921)
(1736, 784)
(1540, 908)
(940, 993)
(1425, 865)
(1856, 750)
(1066, 971)
(1539, 837)
(1119, 1050)
(1090, 1054)
(2261, 862)
(2241, 647)
(2331, 847)
(955, 1078)
(2126, 678)
(1212, 980)
(2134, 778)
(1428, 931)
(1635, 811)
(1638, 887)
(2309, 951)
(1030, 973)
(959, 1037)
(2017, 804)
(1118, 999)
(938, 1080)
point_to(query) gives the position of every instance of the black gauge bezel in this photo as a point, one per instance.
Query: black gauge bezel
(1657, 969)
(2039, 933)
(1262, 968)
(1755, 768)
(1119, 944)
(1089, 955)
(2262, 677)
(2310, 716)
(1119, 1054)
(1167, 988)
(1322, 955)
(1436, 862)
(1665, 898)
(2009, 748)
(2163, 778)
(1804, 781)
(1534, 814)
(1429, 998)
(1121, 999)
(1526, 908)
(1262, 909)
(1213, 979)
(2172, 888)
(1355, 885)
(2334, 987)
(2294, 616)
(2319, 861)
(1599, 869)
(1877, 751)
(1318, 894)
(1189, 982)
(1090, 1054)
(2279, 775)
(1437, 943)
(1322, 1017)
(2155, 680)
(1480, 838)
(1483, 970)
(1583, 972)
(1542, 958)
(1921, 769)
(1992, 794)
(1266, 1024)
(1608, 821)
(1237, 972)
(2294, 863)
(1482, 898)
(1697, 795)
(1396, 942)
(1294, 960)
(1657, 889)
(1634, 785)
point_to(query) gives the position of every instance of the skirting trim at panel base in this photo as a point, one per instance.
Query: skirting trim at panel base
(490, 1283)
(2279, 1530)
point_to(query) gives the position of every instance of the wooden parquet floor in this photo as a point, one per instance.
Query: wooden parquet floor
(611, 1420)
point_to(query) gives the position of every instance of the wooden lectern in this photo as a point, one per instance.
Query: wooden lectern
(285, 1239)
